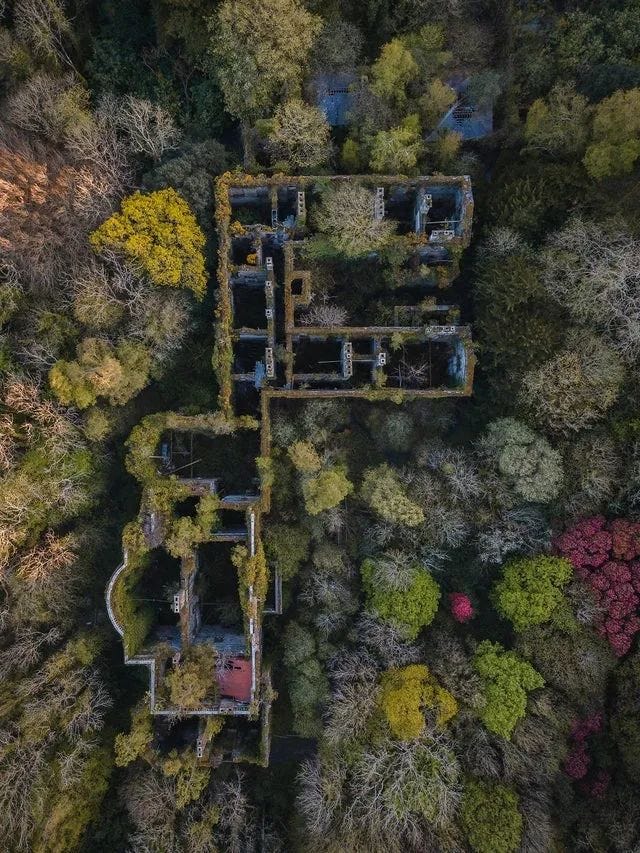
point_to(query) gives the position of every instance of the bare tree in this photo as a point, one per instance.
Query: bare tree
(99, 147)
(150, 798)
(73, 762)
(59, 485)
(447, 519)
(335, 521)
(381, 533)
(102, 293)
(94, 300)
(593, 467)
(480, 751)
(161, 320)
(630, 491)
(413, 374)
(452, 665)
(36, 355)
(8, 442)
(24, 396)
(349, 710)
(198, 826)
(27, 649)
(300, 135)
(539, 831)
(523, 530)
(533, 756)
(461, 475)
(47, 205)
(330, 599)
(149, 128)
(575, 387)
(347, 666)
(585, 606)
(591, 268)
(153, 839)
(325, 314)
(49, 105)
(53, 554)
(22, 788)
(237, 818)
(386, 641)
(346, 217)
(43, 25)
(395, 569)
(392, 794)
(73, 703)
(320, 794)
(501, 242)
(91, 703)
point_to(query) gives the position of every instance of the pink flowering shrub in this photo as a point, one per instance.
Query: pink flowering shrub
(582, 729)
(598, 785)
(578, 761)
(576, 764)
(461, 607)
(605, 556)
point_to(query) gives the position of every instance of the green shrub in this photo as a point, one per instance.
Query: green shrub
(129, 747)
(531, 589)
(185, 533)
(507, 679)
(344, 218)
(142, 445)
(252, 572)
(516, 324)
(76, 806)
(571, 658)
(305, 457)
(135, 621)
(307, 683)
(192, 683)
(490, 817)
(325, 490)
(411, 609)
(190, 776)
(300, 135)
(616, 136)
(526, 460)
(559, 124)
(287, 548)
(396, 151)
(382, 490)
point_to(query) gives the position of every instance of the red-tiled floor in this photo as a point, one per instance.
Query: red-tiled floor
(234, 680)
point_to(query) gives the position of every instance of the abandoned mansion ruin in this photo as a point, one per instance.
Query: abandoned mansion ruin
(297, 316)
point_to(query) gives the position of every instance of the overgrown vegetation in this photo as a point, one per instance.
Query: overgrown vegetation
(457, 661)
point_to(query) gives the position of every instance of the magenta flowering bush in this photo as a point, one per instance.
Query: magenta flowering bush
(461, 607)
(598, 785)
(578, 762)
(604, 555)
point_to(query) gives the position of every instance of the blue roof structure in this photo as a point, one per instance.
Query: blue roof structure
(470, 120)
(334, 97)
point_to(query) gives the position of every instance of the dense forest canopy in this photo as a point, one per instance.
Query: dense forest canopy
(456, 666)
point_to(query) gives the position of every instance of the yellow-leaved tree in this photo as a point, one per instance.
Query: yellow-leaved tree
(407, 694)
(158, 235)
